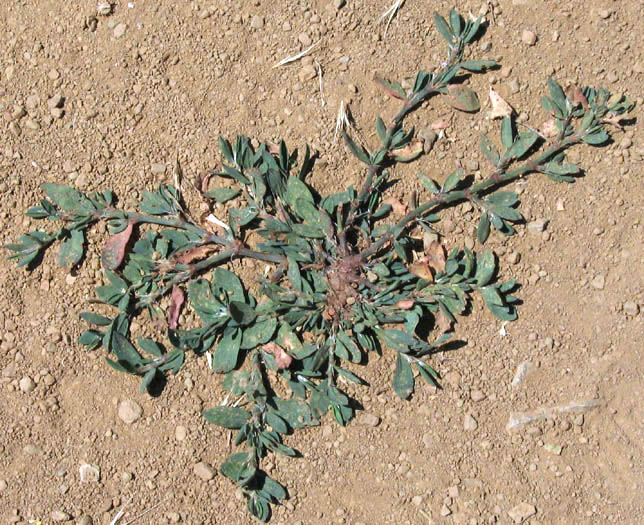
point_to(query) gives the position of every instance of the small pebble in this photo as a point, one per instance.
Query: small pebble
(368, 420)
(631, 308)
(598, 282)
(180, 433)
(528, 37)
(477, 396)
(59, 516)
(204, 471)
(469, 423)
(158, 168)
(537, 226)
(120, 30)
(89, 473)
(257, 22)
(27, 385)
(129, 411)
(604, 13)
(522, 512)
(85, 520)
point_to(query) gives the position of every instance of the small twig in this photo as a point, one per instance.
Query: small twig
(296, 57)
(391, 12)
(143, 513)
(322, 102)
(120, 513)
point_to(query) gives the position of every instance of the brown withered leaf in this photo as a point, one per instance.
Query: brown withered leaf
(195, 254)
(443, 322)
(114, 250)
(500, 108)
(204, 181)
(411, 151)
(398, 207)
(282, 359)
(405, 304)
(435, 256)
(421, 269)
(177, 299)
(576, 96)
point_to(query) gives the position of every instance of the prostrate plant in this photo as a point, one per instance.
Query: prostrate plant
(345, 278)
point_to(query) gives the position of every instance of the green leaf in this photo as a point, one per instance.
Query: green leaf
(227, 352)
(453, 180)
(242, 313)
(227, 151)
(597, 138)
(507, 132)
(258, 333)
(397, 340)
(428, 374)
(150, 346)
(69, 199)
(222, 195)
(403, 377)
(522, 145)
(503, 198)
(90, 338)
(124, 350)
(506, 213)
(443, 28)
(483, 230)
(259, 508)
(490, 151)
(296, 189)
(429, 184)
(477, 66)
(296, 413)
(272, 487)
(463, 98)
(238, 468)
(71, 251)
(147, 380)
(485, 267)
(96, 319)
(276, 422)
(456, 22)
(229, 282)
(381, 128)
(557, 94)
(227, 417)
(360, 152)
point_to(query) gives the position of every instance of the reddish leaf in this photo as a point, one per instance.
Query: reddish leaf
(194, 254)
(411, 151)
(576, 96)
(398, 207)
(435, 256)
(421, 269)
(114, 250)
(282, 359)
(442, 322)
(463, 99)
(176, 302)
(405, 304)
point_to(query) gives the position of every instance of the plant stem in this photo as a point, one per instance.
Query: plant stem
(496, 179)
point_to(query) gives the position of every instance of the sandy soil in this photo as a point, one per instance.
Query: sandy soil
(154, 81)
